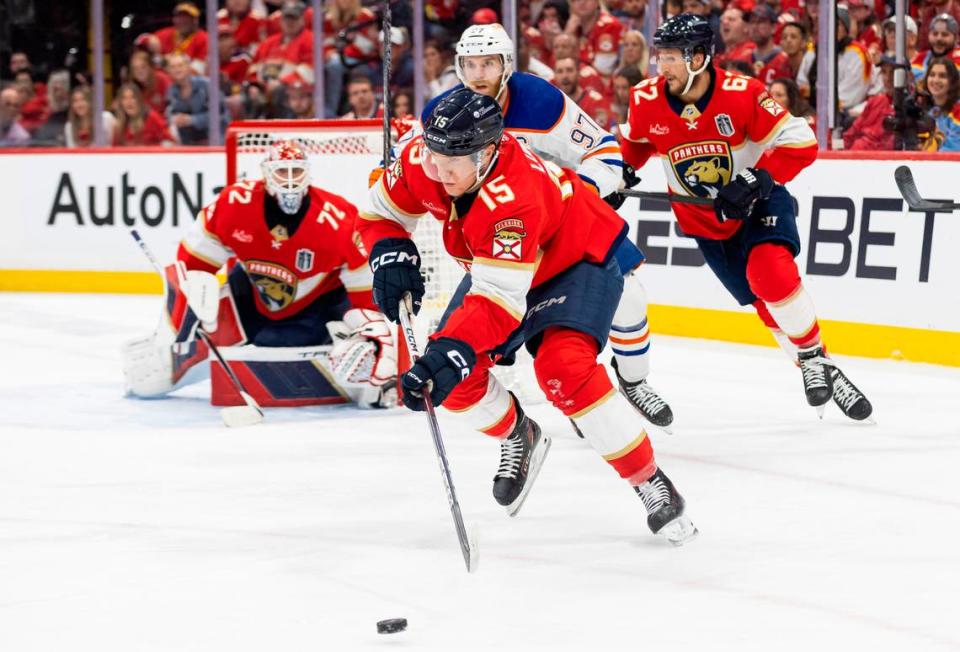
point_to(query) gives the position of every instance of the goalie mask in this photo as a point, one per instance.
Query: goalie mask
(485, 40)
(286, 174)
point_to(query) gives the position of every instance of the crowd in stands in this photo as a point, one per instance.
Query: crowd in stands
(594, 51)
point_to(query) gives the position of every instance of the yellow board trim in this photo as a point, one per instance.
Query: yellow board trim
(34, 280)
(841, 337)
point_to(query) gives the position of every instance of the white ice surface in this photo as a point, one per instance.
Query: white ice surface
(148, 526)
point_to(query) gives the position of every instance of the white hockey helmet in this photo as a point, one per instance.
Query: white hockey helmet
(485, 40)
(286, 174)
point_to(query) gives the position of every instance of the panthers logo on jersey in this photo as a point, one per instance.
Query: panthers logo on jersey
(702, 168)
(276, 285)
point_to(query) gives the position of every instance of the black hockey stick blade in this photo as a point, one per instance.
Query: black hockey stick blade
(908, 188)
(666, 196)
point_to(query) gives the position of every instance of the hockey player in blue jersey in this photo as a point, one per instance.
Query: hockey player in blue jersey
(545, 119)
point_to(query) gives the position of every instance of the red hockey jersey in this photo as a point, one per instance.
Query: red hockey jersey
(529, 221)
(288, 270)
(734, 126)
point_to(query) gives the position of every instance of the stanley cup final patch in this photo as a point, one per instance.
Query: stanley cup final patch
(508, 238)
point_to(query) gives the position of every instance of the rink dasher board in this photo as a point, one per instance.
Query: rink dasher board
(881, 275)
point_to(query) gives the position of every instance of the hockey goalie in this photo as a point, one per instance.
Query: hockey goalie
(295, 319)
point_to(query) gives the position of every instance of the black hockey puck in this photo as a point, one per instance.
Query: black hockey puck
(391, 625)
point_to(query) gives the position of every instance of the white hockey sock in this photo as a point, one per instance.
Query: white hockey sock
(788, 347)
(630, 334)
(796, 317)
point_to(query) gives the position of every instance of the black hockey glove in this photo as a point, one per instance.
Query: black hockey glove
(630, 179)
(396, 270)
(737, 199)
(444, 364)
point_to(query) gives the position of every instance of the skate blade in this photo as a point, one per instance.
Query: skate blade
(820, 410)
(679, 531)
(536, 461)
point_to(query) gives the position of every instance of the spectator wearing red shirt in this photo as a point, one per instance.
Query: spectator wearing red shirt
(735, 33)
(185, 36)
(599, 34)
(566, 45)
(867, 27)
(138, 124)
(234, 60)
(566, 78)
(550, 23)
(867, 131)
(153, 82)
(769, 61)
(929, 11)
(355, 51)
(288, 51)
(248, 26)
(34, 108)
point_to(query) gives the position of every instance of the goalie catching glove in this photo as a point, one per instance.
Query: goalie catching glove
(395, 263)
(364, 357)
(737, 199)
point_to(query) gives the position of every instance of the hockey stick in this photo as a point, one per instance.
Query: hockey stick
(468, 544)
(387, 62)
(666, 196)
(234, 416)
(908, 188)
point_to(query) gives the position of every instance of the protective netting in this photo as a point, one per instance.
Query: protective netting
(341, 159)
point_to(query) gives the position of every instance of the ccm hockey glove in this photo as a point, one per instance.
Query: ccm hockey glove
(736, 200)
(395, 263)
(630, 179)
(444, 364)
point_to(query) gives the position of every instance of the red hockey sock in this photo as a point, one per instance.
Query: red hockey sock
(773, 276)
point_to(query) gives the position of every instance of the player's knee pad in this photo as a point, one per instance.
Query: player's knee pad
(364, 356)
(567, 370)
(772, 272)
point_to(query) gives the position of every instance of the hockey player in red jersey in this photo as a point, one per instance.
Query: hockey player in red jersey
(297, 277)
(721, 135)
(540, 249)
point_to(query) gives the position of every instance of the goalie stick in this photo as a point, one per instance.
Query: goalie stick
(908, 189)
(468, 543)
(234, 416)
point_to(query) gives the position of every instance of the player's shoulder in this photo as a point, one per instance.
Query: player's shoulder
(535, 104)
(651, 90)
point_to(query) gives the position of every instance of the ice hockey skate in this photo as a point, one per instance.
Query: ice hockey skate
(521, 456)
(643, 397)
(817, 379)
(665, 510)
(849, 398)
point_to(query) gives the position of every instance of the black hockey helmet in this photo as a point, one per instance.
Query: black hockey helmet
(463, 123)
(687, 32)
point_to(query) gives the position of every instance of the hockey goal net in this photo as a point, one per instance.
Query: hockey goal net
(342, 153)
